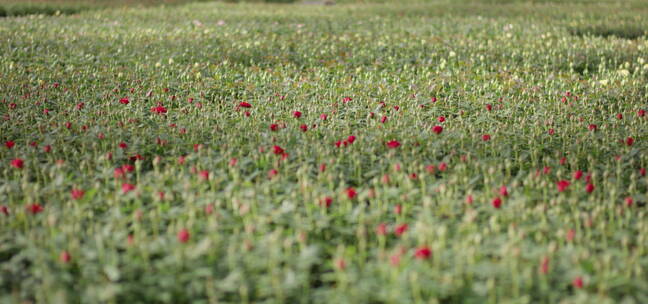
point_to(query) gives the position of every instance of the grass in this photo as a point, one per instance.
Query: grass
(146, 178)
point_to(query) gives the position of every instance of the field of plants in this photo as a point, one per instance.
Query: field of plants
(428, 152)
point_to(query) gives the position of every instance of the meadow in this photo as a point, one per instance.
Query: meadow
(419, 152)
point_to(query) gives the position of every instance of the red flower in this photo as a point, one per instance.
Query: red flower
(47, 149)
(4, 210)
(546, 170)
(244, 104)
(65, 257)
(346, 99)
(304, 128)
(18, 163)
(489, 107)
(469, 199)
(619, 116)
(274, 127)
(552, 131)
(327, 201)
(323, 117)
(124, 101)
(443, 167)
(297, 114)
(183, 235)
(441, 119)
(383, 119)
(578, 174)
(562, 185)
(641, 113)
(400, 229)
(642, 171)
(629, 141)
(503, 191)
(10, 144)
(437, 129)
(497, 202)
(423, 253)
(272, 173)
(381, 229)
(589, 188)
(277, 150)
(159, 110)
(486, 137)
(393, 144)
(123, 145)
(35, 208)
(578, 282)
(128, 168)
(77, 194)
(592, 127)
(233, 162)
(322, 167)
(204, 175)
(126, 187)
(351, 193)
(629, 201)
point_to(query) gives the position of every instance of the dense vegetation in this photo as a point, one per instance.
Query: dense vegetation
(439, 152)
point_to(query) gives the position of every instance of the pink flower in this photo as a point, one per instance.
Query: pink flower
(443, 167)
(437, 129)
(469, 199)
(489, 107)
(423, 253)
(183, 235)
(503, 191)
(126, 187)
(204, 175)
(393, 144)
(124, 101)
(244, 104)
(297, 114)
(441, 119)
(486, 137)
(592, 127)
(562, 185)
(272, 173)
(398, 209)
(629, 201)
(323, 117)
(383, 119)
(552, 131)
(578, 282)
(77, 194)
(65, 257)
(381, 229)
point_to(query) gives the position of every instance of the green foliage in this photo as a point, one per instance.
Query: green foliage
(547, 71)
